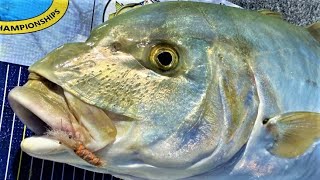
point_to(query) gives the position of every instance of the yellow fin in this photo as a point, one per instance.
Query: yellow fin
(293, 133)
(270, 13)
(118, 6)
(314, 30)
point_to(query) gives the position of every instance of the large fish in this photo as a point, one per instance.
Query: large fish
(180, 90)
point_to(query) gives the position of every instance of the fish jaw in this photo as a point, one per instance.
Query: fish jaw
(44, 106)
(43, 147)
(40, 108)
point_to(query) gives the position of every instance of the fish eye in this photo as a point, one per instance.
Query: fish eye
(164, 57)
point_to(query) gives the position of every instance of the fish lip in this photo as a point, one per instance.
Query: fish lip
(40, 144)
(37, 121)
(35, 124)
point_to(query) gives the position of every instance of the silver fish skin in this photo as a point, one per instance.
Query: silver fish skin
(180, 90)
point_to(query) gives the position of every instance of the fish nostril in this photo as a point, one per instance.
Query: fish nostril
(115, 47)
(265, 120)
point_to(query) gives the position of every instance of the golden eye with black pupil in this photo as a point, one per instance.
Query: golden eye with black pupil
(164, 57)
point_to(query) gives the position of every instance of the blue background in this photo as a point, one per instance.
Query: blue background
(12, 10)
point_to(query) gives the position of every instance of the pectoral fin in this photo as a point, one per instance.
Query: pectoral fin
(314, 30)
(293, 133)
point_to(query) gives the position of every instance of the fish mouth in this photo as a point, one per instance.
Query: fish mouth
(44, 106)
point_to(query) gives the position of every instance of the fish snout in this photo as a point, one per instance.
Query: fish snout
(44, 107)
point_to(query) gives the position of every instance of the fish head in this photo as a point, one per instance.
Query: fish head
(146, 93)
